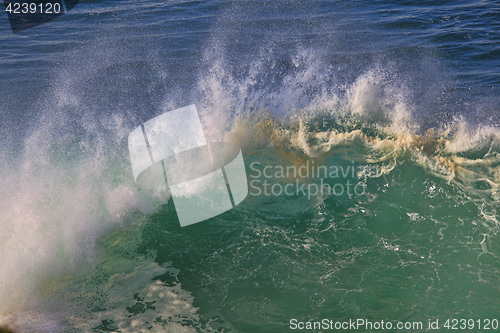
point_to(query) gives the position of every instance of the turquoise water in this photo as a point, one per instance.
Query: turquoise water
(397, 98)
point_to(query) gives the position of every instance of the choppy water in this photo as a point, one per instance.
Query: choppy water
(409, 88)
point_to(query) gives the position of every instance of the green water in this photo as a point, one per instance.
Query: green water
(418, 245)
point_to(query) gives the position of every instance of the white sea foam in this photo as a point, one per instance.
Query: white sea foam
(72, 184)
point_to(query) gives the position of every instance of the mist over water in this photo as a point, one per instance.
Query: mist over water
(407, 87)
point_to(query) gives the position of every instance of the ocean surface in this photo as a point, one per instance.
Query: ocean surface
(401, 98)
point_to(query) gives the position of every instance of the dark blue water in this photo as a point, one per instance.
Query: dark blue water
(447, 52)
(82, 250)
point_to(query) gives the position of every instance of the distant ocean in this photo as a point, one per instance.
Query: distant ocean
(410, 89)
